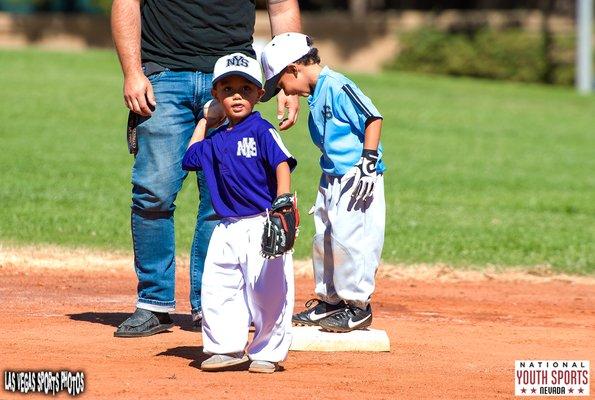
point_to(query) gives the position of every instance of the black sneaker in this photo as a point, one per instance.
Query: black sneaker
(144, 323)
(348, 319)
(314, 314)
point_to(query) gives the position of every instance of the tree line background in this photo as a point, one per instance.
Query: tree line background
(355, 6)
(470, 47)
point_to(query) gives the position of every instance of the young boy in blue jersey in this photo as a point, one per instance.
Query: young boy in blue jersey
(247, 168)
(349, 212)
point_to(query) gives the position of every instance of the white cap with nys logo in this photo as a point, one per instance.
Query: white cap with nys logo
(240, 65)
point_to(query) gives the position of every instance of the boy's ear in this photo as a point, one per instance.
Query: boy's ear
(260, 93)
(293, 69)
(213, 92)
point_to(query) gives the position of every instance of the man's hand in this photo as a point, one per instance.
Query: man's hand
(292, 105)
(138, 94)
(284, 16)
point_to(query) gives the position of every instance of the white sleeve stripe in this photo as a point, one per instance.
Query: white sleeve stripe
(357, 101)
(280, 142)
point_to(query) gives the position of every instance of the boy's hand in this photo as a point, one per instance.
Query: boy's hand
(213, 113)
(364, 175)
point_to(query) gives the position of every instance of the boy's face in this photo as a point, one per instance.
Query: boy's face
(238, 96)
(294, 82)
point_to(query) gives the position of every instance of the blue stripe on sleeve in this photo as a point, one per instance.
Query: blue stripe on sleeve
(357, 101)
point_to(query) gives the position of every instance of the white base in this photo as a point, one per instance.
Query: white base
(312, 338)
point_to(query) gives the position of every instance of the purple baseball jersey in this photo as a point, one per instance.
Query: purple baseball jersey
(239, 163)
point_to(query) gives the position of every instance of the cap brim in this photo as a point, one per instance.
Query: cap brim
(270, 88)
(238, 73)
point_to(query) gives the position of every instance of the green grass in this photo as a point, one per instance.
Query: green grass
(479, 173)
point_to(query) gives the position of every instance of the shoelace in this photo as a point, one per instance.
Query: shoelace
(343, 313)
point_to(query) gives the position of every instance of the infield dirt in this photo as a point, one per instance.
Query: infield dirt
(450, 338)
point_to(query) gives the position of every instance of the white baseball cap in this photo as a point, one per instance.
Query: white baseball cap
(278, 54)
(240, 65)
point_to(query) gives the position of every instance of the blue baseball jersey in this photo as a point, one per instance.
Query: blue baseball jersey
(337, 122)
(239, 163)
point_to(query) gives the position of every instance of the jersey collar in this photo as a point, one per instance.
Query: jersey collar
(253, 114)
(321, 77)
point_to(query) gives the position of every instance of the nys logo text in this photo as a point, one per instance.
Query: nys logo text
(247, 147)
(237, 61)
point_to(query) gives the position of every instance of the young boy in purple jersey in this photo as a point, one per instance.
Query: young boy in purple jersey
(246, 167)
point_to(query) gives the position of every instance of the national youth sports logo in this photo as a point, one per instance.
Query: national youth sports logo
(552, 378)
(247, 147)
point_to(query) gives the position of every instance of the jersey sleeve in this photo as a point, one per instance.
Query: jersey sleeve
(274, 150)
(353, 106)
(191, 160)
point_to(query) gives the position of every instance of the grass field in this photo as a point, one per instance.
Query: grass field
(479, 172)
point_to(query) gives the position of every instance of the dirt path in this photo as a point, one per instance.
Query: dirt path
(453, 339)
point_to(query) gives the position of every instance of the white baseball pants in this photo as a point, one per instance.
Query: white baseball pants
(348, 242)
(239, 286)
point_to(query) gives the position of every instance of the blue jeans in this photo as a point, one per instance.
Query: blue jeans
(157, 177)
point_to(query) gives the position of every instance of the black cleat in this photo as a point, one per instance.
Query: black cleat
(314, 314)
(348, 319)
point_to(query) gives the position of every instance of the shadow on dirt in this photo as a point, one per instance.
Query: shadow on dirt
(184, 321)
(195, 353)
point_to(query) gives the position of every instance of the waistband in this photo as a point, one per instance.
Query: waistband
(230, 220)
(149, 68)
(337, 178)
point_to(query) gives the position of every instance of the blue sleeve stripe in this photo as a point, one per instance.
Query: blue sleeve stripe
(357, 101)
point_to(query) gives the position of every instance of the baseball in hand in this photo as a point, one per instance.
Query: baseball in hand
(213, 112)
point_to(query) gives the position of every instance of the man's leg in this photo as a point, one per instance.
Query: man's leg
(205, 224)
(157, 177)
(207, 219)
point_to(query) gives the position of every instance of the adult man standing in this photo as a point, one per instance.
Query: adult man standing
(167, 50)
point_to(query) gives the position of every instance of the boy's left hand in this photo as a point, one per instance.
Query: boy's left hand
(364, 175)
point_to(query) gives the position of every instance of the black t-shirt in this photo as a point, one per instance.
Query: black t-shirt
(193, 34)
